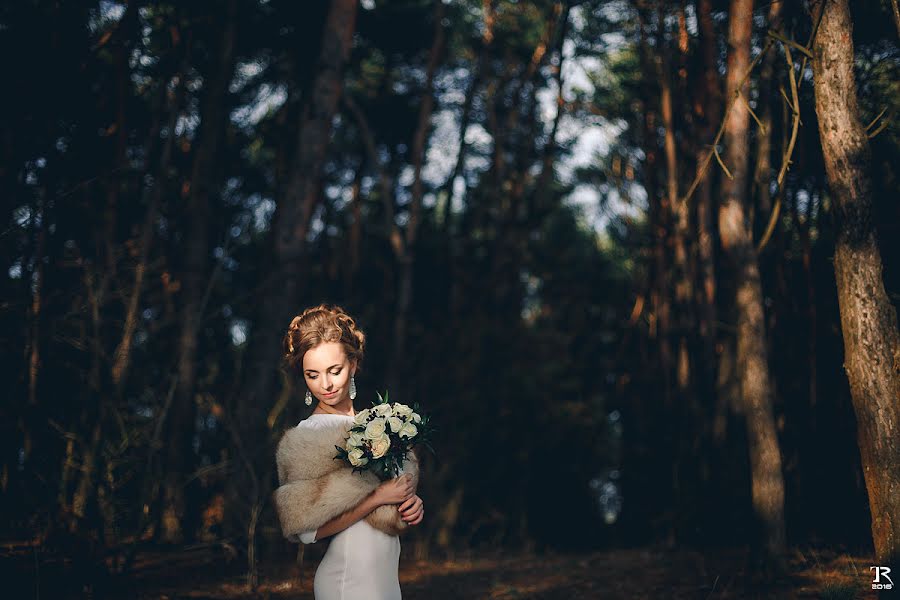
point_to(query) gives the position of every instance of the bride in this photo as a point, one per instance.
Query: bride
(319, 497)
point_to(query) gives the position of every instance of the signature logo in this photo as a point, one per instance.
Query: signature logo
(882, 573)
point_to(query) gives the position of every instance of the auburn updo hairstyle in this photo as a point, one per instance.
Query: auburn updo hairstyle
(319, 324)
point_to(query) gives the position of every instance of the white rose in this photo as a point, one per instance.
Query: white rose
(356, 438)
(357, 458)
(395, 423)
(402, 410)
(375, 429)
(409, 430)
(380, 446)
(383, 410)
(361, 417)
(416, 418)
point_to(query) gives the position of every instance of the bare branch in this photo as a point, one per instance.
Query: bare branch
(722, 164)
(881, 127)
(869, 126)
(752, 113)
(795, 107)
(770, 226)
(791, 43)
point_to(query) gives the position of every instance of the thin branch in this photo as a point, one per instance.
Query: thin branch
(784, 96)
(794, 105)
(722, 164)
(791, 43)
(752, 113)
(879, 130)
(795, 126)
(770, 226)
(869, 126)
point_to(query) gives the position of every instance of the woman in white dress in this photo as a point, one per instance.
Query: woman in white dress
(361, 562)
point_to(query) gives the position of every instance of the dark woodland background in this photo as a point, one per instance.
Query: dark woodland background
(499, 191)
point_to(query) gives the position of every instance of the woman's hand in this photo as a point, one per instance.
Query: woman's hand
(412, 510)
(396, 490)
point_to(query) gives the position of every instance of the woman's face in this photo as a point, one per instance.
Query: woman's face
(327, 372)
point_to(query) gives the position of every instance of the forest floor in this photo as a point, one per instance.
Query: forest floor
(651, 572)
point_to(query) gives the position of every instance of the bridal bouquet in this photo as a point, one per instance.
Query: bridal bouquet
(382, 435)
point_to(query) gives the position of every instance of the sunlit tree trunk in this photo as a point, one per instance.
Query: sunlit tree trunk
(868, 319)
(767, 480)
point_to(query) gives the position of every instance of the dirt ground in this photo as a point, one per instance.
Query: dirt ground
(640, 573)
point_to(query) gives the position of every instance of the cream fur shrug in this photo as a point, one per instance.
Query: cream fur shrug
(314, 487)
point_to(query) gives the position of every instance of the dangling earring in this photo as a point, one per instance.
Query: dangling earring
(352, 388)
(308, 398)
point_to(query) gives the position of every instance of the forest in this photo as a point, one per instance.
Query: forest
(638, 260)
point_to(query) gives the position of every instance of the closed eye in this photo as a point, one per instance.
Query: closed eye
(338, 372)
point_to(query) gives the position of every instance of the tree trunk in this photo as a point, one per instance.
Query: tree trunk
(406, 258)
(868, 319)
(679, 294)
(706, 290)
(354, 236)
(280, 292)
(659, 219)
(156, 193)
(488, 17)
(205, 179)
(762, 177)
(752, 361)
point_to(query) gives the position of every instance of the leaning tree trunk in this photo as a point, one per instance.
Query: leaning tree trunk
(737, 240)
(280, 293)
(868, 319)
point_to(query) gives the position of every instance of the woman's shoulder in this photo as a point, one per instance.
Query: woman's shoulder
(313, 429)
(309, 447)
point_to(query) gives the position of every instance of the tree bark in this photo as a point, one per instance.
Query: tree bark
(122, 355)
(354, 236)
(752, 361)
(678, 291)
(280, 293)
(710, 109)
(406, 257)
(205, 180)
(762, 177)
(487, 38)
(868, 319)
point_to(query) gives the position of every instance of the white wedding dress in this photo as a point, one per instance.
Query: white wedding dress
(361, 562)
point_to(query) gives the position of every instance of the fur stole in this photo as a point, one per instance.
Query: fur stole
(314, 487)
